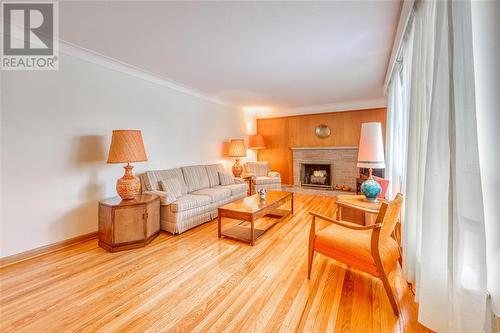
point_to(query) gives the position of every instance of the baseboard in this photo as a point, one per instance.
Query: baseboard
(16, 258)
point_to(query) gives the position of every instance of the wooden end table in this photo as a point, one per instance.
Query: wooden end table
(250, 209)
(249, 181)
(371, 209)
(359, 202)
(128, 224)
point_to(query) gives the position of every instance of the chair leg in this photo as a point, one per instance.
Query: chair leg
(310, 253)
(390, 294)
(310, 258)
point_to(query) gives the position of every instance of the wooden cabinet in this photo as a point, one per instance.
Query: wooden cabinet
(128, 224)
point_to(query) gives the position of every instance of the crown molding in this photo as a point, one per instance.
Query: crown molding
(91, 56)
(327, 108)
(119, 66)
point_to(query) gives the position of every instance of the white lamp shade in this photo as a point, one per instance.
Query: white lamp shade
(371, 147)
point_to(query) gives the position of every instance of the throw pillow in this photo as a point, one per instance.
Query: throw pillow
(172, 186)
(226, 178)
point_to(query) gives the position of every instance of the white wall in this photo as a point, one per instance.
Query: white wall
(55, 134)
(486, 32)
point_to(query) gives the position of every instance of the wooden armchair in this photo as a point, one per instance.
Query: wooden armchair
(368, 248)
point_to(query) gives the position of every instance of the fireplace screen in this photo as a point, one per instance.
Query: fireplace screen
(316, 175)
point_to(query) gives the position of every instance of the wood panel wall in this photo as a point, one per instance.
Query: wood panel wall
(280, 134)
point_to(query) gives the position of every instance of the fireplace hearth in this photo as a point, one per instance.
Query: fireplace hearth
(317, 175)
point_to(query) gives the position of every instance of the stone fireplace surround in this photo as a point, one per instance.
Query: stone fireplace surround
(344, 161)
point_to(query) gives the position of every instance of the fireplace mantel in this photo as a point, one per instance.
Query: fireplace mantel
(325, 148)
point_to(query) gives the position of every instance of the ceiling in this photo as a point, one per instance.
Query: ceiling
(278, 54)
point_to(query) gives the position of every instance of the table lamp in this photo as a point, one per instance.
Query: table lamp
(371, 156)
(237, 150)
(126, 147)
(256, 141)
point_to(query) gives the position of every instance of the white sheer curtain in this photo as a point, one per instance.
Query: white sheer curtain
(395, 148)
(396, 140)
(486, 45)
(443, 226)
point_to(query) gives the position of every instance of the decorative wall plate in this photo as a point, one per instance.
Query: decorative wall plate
(323, 131)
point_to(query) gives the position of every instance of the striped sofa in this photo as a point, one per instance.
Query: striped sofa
(201, 195)
(262, 177)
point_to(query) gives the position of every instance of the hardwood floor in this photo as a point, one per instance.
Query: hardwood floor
(195, 282)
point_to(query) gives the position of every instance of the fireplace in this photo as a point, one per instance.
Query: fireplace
(317, 175)
(339, 163)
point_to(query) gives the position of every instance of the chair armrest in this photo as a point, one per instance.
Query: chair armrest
(273, 174)
(165, 198)
(346, 224)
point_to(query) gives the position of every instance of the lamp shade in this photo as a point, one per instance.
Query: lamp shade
(371, 147)
(127, 146)
(256, 142)
(237, 148)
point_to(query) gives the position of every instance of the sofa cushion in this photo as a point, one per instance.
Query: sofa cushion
(172, 186)
(153, 178)
(216, 194)
(196, 177)
(267, 180)
(213, 173)
(384, 184)
(257, 168)
(236, 189)
(190, 201)
(226, 178)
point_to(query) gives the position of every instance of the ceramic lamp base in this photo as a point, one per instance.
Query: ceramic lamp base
(128, 186)
(237, 168)
(371, 189)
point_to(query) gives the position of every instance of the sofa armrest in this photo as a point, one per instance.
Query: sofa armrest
(273, 174)
(165, 198)
(246, 175)
(239, 180)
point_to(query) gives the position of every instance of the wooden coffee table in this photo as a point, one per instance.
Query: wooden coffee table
(250, 209)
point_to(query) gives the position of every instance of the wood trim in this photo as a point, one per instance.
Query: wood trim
(326, 113)
(362, 104)
(16, 258)
(283, 133)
